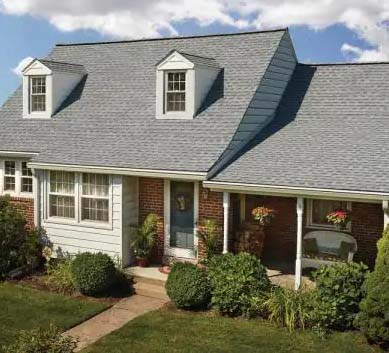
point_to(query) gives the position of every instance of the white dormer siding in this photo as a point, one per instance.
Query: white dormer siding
(58, 80)
(196, 76)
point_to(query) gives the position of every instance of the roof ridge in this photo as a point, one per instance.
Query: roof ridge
(346, 63)
(59, 62)
(172, 38)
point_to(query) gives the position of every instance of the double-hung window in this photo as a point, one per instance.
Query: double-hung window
(37, 94)
(175, 91)
(62, 194)
(9, 176)
(95, 197)
(26, 179)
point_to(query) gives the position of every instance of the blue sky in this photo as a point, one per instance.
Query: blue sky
(27, 35)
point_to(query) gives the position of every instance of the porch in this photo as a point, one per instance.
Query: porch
(280, 244)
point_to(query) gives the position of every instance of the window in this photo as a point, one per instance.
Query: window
(175, 91)
(318, 210)
(95, 197)
(26, 179)
(62, 194)
(38, 94)
(9, 176)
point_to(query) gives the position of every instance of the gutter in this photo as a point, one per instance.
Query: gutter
(156, 173)
(294, 191)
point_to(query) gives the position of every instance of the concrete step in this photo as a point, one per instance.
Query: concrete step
(148, 280)
(156, 291)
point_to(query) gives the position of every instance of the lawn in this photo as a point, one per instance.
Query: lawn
(23, 308)
(171, 331)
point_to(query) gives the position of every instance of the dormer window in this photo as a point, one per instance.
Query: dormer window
(37, 94)
(175, 91)
(183, 82)
(46, 85)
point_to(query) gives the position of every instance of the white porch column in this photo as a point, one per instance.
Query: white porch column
(385, 207)
(300, 210)
(226, 207)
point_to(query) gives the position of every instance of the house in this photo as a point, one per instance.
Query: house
(99, 135)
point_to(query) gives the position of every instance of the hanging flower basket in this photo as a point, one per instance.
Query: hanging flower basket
(263, 214)
(339, 218)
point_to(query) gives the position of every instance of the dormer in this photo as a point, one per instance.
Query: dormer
(183, 82)
(46, 84)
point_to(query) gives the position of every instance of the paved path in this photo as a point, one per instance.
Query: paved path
(112, 319)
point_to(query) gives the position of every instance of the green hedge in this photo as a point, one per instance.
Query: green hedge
(188, 287)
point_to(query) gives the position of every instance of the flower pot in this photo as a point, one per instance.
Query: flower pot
(142, 262)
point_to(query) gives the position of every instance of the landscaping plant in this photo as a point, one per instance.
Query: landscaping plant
(188, 286)
(263, 214)
(93, 273)
(339, 290)
(373, 319)
(207, 233)
(60, 277)
(289, 308)
(18, 246)
(42, 341)
(143, 239)
(236, 281)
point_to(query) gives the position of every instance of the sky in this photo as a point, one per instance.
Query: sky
(322, 30)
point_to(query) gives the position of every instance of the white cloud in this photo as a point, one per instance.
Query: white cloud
(22, 64)
(133, 18)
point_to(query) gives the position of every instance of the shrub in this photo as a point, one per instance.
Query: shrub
(42, 341)
(93, 273)
(373, 319)
(236, 281)
(18, 246)
(188, 287)
(207, 233)
(60, 277)
(289, 308)
(339, 290)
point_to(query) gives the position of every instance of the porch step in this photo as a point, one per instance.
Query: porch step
(148, 280)
(152, 290)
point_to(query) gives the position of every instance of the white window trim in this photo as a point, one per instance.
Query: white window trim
(165, 92)
(77, 221)
(18, 179)
(310, 224)
(30, 95)
(25, 177)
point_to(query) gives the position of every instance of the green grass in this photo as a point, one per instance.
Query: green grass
(171, 331)
(23, 308)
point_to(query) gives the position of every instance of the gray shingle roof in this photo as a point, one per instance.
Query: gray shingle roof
(109, 120)
(64, 67)
(331, 131)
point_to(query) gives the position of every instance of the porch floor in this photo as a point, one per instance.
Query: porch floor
(276, 275)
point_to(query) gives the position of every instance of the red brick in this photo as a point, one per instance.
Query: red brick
(27, 207)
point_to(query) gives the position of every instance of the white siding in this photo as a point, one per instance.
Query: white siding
(75, 237)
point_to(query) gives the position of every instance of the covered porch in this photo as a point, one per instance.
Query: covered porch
(280, 244)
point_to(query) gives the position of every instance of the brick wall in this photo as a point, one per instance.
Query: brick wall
(26, 205)
(151, 200)
(280, 243)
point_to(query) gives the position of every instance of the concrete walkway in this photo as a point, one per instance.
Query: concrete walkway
(112, 319)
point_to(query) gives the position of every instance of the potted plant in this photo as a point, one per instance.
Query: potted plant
(263, 215)
(143, 240)
(339, 218)
(207, 233)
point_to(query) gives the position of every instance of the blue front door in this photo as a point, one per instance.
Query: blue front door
(182, 215)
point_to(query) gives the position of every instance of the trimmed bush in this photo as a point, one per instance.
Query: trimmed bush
(42, 341)
(93, 273)
(373, 320)
(236, 280)
(188, 287)
(18, 246)
(339, 290)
